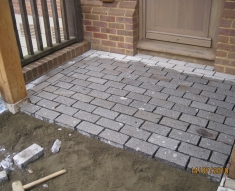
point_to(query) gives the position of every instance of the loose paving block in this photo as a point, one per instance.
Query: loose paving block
(28, 155)
(46, 115)
(164, 141)
(221, 104)
(215, 146)
(89, 129)
(194, 120)
(117, 92)
(224, 138)
(83, 115)
(135, 132)
(99, 94)
(148, 116)
(109, 124)
(167, 112)
(221, 128)
(3, 176)
(121, 100)
(179, 100)
(211, 116)
(138, 97)
(219, 158)
(193, 150)
(142, 147)
(156, 128)
(65, 100)
(157, 95)
(230, 121)
(174, 123)
(82, 97)
(196, 97)
(132, 121)
(124, 109)
(172, 157)
(48, 104)
(67, 121)
(47, 95)
(185, 109)
(113, 138)
(29, 108)
(143, 106)
(183, 136)
(56, 146)
(201, 131)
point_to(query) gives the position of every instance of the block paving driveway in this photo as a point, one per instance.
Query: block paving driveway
(178, 112)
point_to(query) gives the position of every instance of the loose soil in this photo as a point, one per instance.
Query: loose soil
(91, 164)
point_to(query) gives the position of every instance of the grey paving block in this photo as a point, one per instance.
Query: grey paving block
(142, 106)
(109, 124)
(156, 94)
(189, 89)
(230, 99)
(138, 97)
(79, 77)
(112, 77)
(174, 123)
(121, 64)
(114, 84)
(34, 99)
(64, 85)
(129, 120)
(96, 80)
(28, 155)
(3, 176)
(47, 95)
(213, 95)
(55, 78)
(162, 78)
(80, 89)
(218, 158)
(46, 115)
(151, 87)
(184, 136)
(124, 109)
(194, 120)
(156, 128)
(94, 68)
(116, 91)
(113, 138)
(219, 84)
(95, 74)
(173, 92)
(125, 72)
(182, 82)
(64, 92)
(89, 129)
(185, 109)
(195, 151)
(65, 100)
(215, 146)
(203, 132)
(139, 68)
(157, 71)
(81, 82)
(50, 89)
(82, 97)
(81, 70)
(197, 80)
(53, 72)
(99, 94)
(67, 79)
(66, 110)
(178, 100)
(221, 104)
(205, 72)
(230, 121)
(221, 128)
(203, 106)
(67, 121)
(224, 138)
(148, 80)
(134, 89)
(147, 116)
(176, 76)
(29, 108)
(48, 104)
(195, 65)
(225, 112)
(140, 73)
(204, 87)
(84, 106)
(167, 85)
(225, 92)
(121, 100)
(106, 113)
(108, 66)
(197, 163)
(128, 75)
(196, 97)
(167, 112)
(83, 115)
(103, 103)
(211, 116)
(164, 141)
(111, 72)
(40, 80)
(68, 70)
(142, 147)
(98, 87)
(135, 132)
(172, 157)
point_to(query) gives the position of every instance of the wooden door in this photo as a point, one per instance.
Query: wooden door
(180, 21)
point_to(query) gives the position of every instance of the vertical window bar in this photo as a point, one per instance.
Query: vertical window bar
(64, 19)
(56, 21)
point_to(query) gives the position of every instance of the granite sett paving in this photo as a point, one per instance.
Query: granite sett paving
(177, 112)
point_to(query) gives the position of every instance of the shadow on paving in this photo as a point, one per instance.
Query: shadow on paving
(91, 164)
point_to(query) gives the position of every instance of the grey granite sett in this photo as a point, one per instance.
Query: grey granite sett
(164, 141)
(55, 78)
(67, 121)
(102, 103)
(114, 84)
(50, 88)
(167, 85)
(34, 99)
(230, 99)
(194, 120)
(197, 80)
(174, 123)
(161, 103)
(29, 108)
(218, 158)
(138, 97)
(47, 95)
(111, 72)
(230, 121)
(225, 112)
(129, 120)
(211, 116)
(189, 89)
(97, 80)
(195, 151)
(156, 94)
(148, 80)
(167, 112)
(99, 94)
(46, 115)
(48, 104)
(134, 89)
(80, 89)
(178, 93)
(172, 157)
(224, 138)
(162, 78)
(156, 128)
(95, 74)
(185, 109)
(83, 115)
(143, 106)
(142, 147)
(64, 92)
(179, 100)
(64, 85)
(213, 95)
(113, 138)
(81, 82)
(148, 116)
(225, 92)
(84, 106)
(196, 97)
(89, 129)
(203, 132)
(82, 97)
(98, 87)
(221, 128)
(124, 109)
(94, 68)
(109, 124)
(203, 106)
(66, 110)
(65, 100)
(135, 132)
(128, 75)
(117, 91)
(131, 82)
(184, 136)
(79, 77)
(112, 77)
(105, 113)
(222, 104)
(67, 79)
(150, 87)
(119, 99)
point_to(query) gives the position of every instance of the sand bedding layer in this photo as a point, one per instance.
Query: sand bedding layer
(91, 164)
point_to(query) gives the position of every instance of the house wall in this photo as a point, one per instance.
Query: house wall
(111, 27)
(225, 54)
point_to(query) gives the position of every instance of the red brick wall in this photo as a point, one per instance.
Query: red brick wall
(111, 27)
(225, 55)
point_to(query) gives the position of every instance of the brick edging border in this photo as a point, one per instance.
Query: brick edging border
(47, 63)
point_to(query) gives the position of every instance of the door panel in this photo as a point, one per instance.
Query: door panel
(181, 21)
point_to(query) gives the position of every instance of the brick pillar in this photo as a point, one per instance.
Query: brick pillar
(225, 54)
(111, 27)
